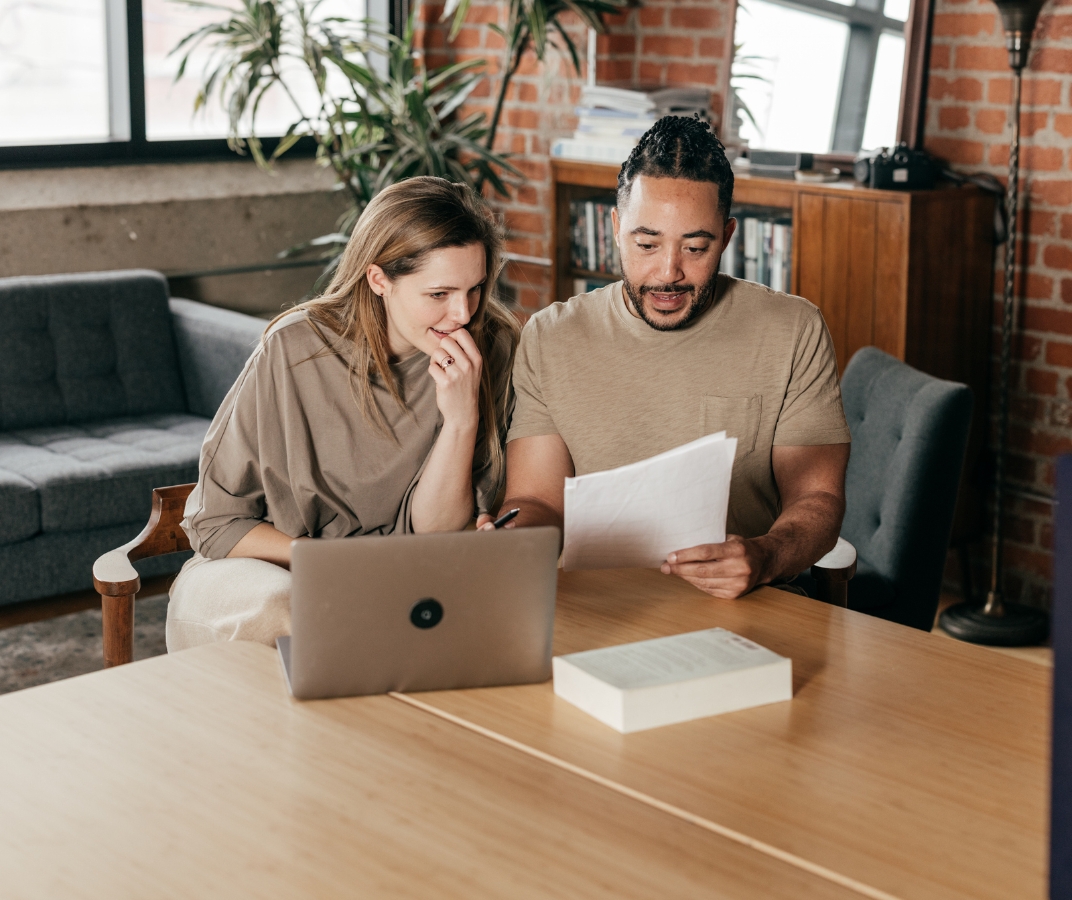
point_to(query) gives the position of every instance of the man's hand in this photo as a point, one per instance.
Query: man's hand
(811, 482)
(728, 570)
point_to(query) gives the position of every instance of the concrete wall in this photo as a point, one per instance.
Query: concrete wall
(178, 218)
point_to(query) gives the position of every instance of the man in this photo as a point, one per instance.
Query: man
(676, 351)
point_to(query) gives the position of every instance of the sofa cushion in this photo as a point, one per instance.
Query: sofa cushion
(102, 474)
(78, 348)
(20, 511)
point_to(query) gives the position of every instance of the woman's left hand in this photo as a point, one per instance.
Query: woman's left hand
(455, 366)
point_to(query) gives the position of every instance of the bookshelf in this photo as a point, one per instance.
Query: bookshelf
(909, 272)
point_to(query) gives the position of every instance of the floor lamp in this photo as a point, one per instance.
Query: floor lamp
(1000, 622)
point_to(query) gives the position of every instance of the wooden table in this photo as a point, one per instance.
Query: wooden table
(914, 765)
(197, 776)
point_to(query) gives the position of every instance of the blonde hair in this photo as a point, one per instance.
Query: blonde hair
(397, 230)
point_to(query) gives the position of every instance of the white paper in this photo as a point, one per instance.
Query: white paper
(637, 514)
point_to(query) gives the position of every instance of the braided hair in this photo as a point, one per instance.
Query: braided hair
(679, 147)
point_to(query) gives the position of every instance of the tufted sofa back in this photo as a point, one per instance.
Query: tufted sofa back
(79, 348)
(909, 434)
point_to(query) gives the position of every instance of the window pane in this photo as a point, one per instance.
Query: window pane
(897, 9)
(880, 128)
(795, 60)
(169, 104)
(53, 73)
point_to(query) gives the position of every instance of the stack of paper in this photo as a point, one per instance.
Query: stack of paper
(673, 679)
(637, 514)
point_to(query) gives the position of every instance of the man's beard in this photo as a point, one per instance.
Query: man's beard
(698, 304)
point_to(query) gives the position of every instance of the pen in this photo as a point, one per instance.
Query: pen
(504, 518)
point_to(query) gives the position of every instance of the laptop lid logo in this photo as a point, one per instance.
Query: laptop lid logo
(426, 613)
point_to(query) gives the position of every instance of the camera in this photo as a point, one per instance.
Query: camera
(899, 169)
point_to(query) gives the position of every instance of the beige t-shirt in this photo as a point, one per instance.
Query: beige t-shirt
(290, 446)
(758, 364)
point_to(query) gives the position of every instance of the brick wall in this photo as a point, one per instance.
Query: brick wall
(967, 123)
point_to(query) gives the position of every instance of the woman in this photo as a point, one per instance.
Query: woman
(380, 407)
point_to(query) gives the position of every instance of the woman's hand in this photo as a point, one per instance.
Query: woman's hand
(455, 367)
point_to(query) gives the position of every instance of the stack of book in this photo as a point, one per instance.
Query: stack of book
(761, 248)
(592, 245)
(611, 120)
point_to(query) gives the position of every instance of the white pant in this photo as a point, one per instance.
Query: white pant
(228, 600)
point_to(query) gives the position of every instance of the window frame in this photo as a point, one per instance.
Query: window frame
(126, 100)
(865, 28)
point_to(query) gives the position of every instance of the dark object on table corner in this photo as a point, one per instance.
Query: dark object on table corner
(899, 169)
(778, 163)
(1061, 781)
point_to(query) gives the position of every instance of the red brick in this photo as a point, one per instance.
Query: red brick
(1052, 192)
(967, 89)
(695, 18)
(621, 43)
(941, 56)
(1058, 353)
(711, 48)
(963, 24)
(1051, 59)
(1066, 290)
(1062, 124)
(1040, 222)
(1066, 226)
(1019, 529)
(493, 41)
(1025, 347)
(1038, 287)
(1040, 318)
(1033, 561)
(969, 153)
(652, 17)
(690, 73)
(468, 37)
(615, 70)
(527, 92)
(521, 118)
(954, 117)
(483, 14)
(1055, 28)
(1041, 381)
(1030, 122)
(667, 45)
(983, 58)
(1058, 256)
(991, 121)
(526, 223)
(1032, 158)
(652, 73)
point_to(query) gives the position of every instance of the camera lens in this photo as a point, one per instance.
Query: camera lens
(426, 613)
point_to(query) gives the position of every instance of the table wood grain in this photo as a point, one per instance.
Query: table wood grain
(911, 763)
(197, 776)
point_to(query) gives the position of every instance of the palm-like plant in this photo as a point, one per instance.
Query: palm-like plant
(373, 125)
(536, 24)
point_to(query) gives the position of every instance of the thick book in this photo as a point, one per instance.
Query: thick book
(633, 687)
(593, 149)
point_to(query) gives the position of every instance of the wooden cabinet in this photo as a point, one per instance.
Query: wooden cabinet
(910, 272)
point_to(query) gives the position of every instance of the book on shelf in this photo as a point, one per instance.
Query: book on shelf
(612, 119)
(647, 684)
(761, 249)
(592, 244)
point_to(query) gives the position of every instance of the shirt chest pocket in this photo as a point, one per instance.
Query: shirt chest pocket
(739, 417)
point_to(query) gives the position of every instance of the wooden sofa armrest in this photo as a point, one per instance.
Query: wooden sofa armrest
(833, 571)
(117, 581)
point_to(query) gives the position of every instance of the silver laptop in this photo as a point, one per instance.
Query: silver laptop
(421, 612)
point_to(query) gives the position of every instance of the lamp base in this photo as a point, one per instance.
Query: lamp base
(1021, 626)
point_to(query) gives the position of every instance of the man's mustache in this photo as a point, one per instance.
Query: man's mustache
(668, 289)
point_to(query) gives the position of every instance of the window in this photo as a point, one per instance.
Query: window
(84, 80)
(818, 76)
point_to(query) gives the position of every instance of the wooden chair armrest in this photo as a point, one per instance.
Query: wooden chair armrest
(833, 572)
(117, 581)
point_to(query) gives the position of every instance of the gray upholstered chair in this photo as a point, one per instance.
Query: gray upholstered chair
(107, 387)
(909, 434)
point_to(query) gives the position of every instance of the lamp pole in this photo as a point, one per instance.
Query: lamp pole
(999, 621)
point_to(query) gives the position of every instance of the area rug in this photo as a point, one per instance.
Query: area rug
(70, 645)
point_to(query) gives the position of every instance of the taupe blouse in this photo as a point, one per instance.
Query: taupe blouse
(290, 446)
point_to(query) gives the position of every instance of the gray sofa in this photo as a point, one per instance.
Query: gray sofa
(107, 387)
